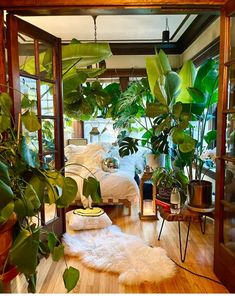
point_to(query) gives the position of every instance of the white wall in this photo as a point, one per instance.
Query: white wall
(137, 61)
(210, 34)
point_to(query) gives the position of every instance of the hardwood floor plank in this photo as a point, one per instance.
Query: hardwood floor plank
(199, 259)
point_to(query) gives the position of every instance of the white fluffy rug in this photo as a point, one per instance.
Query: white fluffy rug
(110, 249)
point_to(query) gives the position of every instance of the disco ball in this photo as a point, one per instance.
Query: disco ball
(110, 164)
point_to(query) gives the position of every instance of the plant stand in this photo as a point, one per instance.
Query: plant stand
(185, 215)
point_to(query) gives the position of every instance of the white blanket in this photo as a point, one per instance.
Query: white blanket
(114, 186)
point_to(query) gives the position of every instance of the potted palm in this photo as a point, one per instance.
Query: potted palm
(25, 187)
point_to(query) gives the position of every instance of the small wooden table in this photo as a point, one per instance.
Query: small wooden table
(147, 176)
(187, 216)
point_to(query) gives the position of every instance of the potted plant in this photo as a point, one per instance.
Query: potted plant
(184, 104)
(202, 101)
(167, 179)
(25, 187)
(132, 114)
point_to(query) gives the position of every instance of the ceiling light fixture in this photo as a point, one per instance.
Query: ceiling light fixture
(166, 33)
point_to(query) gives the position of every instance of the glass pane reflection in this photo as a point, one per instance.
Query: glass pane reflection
(28, 90)
(48, 135)
(232, 36)
(47, 99)
(231, 87)
(45, 58)
(230, 135)
(26, 54)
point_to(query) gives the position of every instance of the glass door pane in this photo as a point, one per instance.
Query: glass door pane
(35, 72)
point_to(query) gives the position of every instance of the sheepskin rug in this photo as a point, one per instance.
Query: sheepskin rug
(111, 250)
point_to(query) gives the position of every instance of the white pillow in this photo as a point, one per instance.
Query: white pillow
(77, 222)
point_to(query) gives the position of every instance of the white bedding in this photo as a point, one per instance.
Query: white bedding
(115, 186)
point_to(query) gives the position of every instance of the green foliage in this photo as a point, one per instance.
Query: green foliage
(70, 277)
(24, 188)
(85, 102)
(203, 99)
(164, 178)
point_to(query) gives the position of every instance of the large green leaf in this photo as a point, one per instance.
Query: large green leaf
(128, 146)
(6, 212)
(26, 153)
(155, 109)
(91, 187)
(79, 54)
(213, 99)
(5, 123)
(177, 109)
(31, 193)
(171, 85)
(6, 194)
(58, 253)
(165, 65)
(211, 81)
(178, 136)
(152, 72)
(84, 54)
(160, 143)
(74, 77)
(52, 241)
(198, 97)
(23, 253)
(210, 136)
(187, 75)
(70, 276)
(70, 189)
(207, 66)
(146, 136)
(4, 173)
(5, 103)
(39, 186)
(188, 145)
(30, 121)
(160, 92)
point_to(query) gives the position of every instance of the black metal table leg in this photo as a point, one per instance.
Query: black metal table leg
(203, 225)
(161, 229)
(186, 242)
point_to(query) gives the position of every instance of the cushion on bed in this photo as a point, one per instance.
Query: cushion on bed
(83, 222)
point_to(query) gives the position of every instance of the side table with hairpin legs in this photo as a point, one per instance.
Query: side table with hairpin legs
(185, 215)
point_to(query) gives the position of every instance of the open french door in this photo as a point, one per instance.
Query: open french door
(34, 74)
(224, 253)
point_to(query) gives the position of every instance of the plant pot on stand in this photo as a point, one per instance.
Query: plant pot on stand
(200, 196)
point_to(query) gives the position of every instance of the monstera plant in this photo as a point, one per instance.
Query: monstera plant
(169, 119)
(24, 188)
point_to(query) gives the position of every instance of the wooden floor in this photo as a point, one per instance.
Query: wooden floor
(199, 259)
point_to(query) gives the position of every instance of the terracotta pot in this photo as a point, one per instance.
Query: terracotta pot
(6, 239)
(6, 278)
(200, 194)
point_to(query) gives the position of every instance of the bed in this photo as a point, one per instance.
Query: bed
(117, 187)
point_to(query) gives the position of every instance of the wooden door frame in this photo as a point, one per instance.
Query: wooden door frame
(15, 25)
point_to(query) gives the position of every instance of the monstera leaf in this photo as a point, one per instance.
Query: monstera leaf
(128, 146)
